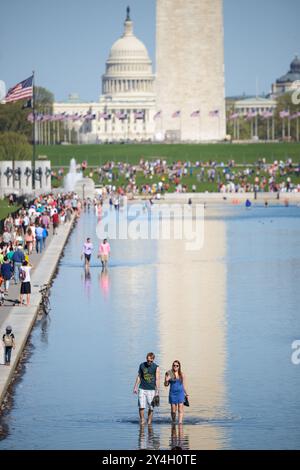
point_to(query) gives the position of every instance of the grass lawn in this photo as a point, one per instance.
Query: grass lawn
(6, 209)
(60, 155)
(189, 180)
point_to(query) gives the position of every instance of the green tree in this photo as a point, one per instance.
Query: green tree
(13, 118)
(14, 146)
(44, 100)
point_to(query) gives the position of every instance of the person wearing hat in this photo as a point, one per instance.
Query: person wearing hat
(8, 340)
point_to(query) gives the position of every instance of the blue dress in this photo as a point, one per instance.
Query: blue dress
(176, 394)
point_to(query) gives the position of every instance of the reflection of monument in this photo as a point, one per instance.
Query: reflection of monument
(191, 303)
(190, 70)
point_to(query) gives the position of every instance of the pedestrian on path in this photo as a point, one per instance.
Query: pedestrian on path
(147, 386)
(8, 340)
(178, 393)
(39, 239)
(6, 273)
(26, 282)
(104, 252)
(87, 252)
(18, 258)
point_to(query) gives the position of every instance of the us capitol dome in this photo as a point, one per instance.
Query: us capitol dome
(126, 109)
(128, 68)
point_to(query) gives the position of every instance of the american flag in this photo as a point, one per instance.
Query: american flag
(267, 114)
(195, 113)
(251, 114)
(20, 91)
(121, 115)
(284, 114)
(90, 116)
(233, 116)
(214, 113)
(139, 115)
(176, 114)
(105, 116)
(294, 116)
(157, 115)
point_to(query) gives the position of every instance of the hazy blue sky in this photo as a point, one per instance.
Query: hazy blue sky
(67, 41)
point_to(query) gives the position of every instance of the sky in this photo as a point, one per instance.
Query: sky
(67, 42)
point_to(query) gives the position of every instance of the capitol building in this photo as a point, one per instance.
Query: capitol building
(183, 102)
(126, 109)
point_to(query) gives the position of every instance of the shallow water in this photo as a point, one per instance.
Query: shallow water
(228, 312)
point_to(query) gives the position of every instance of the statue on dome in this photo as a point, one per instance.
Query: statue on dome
(128, 14)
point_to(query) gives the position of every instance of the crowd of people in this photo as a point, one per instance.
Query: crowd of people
(27, 232)
(158, 176)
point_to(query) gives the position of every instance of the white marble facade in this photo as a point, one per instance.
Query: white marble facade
(190, 69)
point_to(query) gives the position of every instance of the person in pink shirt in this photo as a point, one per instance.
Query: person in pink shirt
(104, 252)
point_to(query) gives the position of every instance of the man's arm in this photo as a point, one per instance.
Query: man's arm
(136, 385)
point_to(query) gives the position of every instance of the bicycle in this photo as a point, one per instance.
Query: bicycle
(45, 301)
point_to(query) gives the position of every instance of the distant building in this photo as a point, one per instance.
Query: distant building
(286, 83)
(126, 109)
(258, 105)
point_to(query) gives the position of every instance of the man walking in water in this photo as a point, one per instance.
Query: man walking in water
(87, 252)
(104, 251)
(147, 386)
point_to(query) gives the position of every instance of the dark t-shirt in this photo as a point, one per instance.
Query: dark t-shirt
(148, 376)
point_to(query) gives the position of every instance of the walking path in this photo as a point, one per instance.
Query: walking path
(22, 318)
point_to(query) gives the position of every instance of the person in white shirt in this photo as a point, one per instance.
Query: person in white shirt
(25, 282)
(87, 252)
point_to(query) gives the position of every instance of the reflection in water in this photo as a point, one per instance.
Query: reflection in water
(44, 326)
(228, 319)
(148, 438)
(191, 301)
(104, 282)
(179, 440)
(87, 279)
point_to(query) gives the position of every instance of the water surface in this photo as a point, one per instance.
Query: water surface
(228, 312)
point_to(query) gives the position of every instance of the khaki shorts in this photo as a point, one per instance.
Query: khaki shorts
(104, 258)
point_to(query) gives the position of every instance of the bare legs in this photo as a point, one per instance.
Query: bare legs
(27, 298)
(174, 409)
(142, 416)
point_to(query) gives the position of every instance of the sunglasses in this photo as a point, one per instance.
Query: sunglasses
(175, 365)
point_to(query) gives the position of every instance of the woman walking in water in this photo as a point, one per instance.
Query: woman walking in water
(176, 380)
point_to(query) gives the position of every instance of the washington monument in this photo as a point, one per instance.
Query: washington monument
(190, 70)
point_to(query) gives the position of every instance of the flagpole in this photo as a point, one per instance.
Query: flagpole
(33, 132)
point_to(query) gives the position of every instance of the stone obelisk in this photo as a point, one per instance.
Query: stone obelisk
(190, 83)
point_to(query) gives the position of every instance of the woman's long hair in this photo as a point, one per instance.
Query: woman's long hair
(179, 370)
